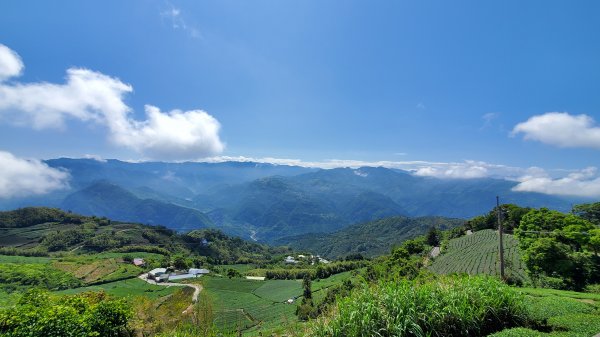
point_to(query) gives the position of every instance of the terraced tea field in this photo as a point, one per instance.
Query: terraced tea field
(241, 304)
(478, 254)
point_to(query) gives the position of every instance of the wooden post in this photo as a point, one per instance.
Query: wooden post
(500, 235)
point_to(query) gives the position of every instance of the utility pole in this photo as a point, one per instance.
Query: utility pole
(500, 235)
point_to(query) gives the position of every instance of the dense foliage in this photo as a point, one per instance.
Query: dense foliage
(40, 314)
(559, 249)
(510, 214)
(444, 306)
(321, 271)
(15, 276)
(220, 248)
(30, 216)
(370, 238)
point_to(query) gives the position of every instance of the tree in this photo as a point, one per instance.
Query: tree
(433, 237)
(548, 257)
(589, 212)
(180, 262)
(594, 242)
(306, 284)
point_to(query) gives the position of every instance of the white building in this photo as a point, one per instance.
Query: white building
(290, 259)
(195, 271)
(155, 273)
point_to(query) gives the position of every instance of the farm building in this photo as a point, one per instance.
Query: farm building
(139, 262)
(195, 271)
(290, 259)
(154, 274)
(180, 276)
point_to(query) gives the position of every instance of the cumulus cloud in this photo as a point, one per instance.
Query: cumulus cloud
(561, 129)
(173, 135)
(22, 177)
(92, 96)
(582, 183)
(10, 63)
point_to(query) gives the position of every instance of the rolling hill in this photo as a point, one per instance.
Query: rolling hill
(478, 254)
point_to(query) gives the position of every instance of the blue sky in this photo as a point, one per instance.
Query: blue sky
(439, 82)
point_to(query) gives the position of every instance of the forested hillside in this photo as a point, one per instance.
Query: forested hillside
(370, 238)
(38, 231)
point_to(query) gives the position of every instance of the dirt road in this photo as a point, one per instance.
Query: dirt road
(197, 289)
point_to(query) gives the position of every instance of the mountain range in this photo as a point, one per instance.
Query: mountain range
(267, 202)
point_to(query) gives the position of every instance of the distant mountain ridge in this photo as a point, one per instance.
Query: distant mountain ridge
(265, 201)
(109, 200)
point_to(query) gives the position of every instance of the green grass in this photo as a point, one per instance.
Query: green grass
(562, 293)
(126, 288)
(241, 268)
(279, 290)
(24, 259)
(558, 313)
(443, 306)
(478, 254)
(330, 281)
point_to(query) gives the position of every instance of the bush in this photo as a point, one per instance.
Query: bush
(593, 288)
(14, 276)
(38, 313)
(448, 306)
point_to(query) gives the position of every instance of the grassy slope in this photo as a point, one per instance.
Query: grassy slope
(478, 254)
(126, 288)
(559, 313)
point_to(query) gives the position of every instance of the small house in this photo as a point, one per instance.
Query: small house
(139, 262)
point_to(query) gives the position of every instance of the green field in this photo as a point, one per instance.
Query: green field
(244, 304)
(126, 288)
(558, 313)
(24, 259)
(241, 268)
(478, 254)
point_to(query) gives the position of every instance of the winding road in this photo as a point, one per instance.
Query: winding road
(197, 289)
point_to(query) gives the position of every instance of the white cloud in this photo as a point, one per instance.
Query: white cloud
(488, 119)
(468, 169)
(582, 183)
(173, 135)
(177, 21)
(10, 63)
(561, 129)
(92, 96)
(95, 157)
(22, 177)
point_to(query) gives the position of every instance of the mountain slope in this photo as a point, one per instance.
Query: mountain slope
(274, 207)
(369, 238)
(109, 200)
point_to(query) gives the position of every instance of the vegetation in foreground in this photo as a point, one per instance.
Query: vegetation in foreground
(442, 306)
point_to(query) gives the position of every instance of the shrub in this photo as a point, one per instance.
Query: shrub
(38, 313)
(447, 306)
